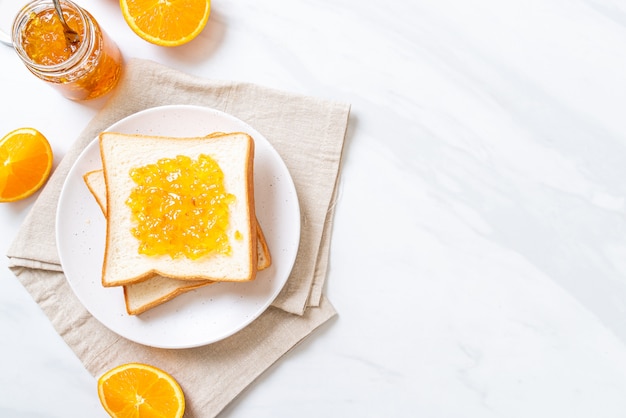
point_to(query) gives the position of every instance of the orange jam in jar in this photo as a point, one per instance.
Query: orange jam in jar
(84, 70)
(180, 207)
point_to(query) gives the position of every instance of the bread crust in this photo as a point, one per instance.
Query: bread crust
(252, 212)
(266, 261)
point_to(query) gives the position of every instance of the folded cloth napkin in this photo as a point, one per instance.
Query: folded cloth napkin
(307, 132)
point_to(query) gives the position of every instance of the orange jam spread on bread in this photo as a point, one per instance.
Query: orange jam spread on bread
(180, 207)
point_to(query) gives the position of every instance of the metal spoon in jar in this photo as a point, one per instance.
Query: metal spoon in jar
(71, 36)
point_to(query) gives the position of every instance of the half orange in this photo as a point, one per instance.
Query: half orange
(136, 390)
(25, 163)
(166, 23)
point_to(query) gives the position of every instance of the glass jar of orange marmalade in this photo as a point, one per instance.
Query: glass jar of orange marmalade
(80, 71)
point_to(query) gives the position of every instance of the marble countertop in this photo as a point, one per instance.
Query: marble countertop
(478, 258)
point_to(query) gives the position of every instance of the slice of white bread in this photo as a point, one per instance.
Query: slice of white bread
(140, 297)
(123, 264)
(96, 185)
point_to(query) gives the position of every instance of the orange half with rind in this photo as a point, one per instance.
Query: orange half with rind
(25, 163)
(166, 22)
(137, 390)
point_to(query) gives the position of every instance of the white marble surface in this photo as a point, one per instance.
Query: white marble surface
(479, 255)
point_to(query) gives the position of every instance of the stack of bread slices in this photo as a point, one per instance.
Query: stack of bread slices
(151, 279)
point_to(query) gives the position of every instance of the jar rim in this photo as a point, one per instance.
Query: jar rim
(24, 16)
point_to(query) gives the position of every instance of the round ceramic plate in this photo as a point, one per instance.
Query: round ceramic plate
(204, 315)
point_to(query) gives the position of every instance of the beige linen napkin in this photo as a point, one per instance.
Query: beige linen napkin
(307, 132)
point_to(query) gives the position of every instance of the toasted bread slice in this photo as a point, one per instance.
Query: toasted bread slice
(123, 263)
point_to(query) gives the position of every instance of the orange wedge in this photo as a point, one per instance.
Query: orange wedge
(25, 163)
(136, 390)
(166, 23)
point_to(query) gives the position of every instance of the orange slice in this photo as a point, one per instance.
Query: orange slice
(136, 390)
(166, 23)
(25, 163)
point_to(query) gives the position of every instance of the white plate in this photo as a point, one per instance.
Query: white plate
(204, 315)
